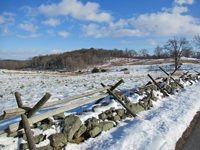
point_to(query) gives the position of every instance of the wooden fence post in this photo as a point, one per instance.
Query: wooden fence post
(38, 105)
(171, 77)
(111, 89)
(26, 125)
(165, 94)
(117, 98)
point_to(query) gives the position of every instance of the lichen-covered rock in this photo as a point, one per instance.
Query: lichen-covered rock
(57, 140)
(136, 108)
(47, 147)
(95, 131)
(123, 116)
(39, 138)
(109, 113)
(45, 127)
(59, 116)
(81, 130)
(91, 122)
(106, 125)
(70, 125)
(120, 112)
(115, 118)
(37, 124)
(102, 116)
(140, 92)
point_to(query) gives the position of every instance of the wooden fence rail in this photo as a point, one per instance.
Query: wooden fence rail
(16, 126)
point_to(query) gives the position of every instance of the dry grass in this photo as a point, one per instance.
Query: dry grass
(187, 132)
(178, 73)
(188, 61)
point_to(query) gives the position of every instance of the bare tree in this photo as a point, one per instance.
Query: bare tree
(197, 40)
(158, 51)
(144, 53)
(176, 47)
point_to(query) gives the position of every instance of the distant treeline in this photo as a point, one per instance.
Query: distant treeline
(75, 60)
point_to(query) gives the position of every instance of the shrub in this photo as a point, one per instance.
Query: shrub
(95, 70)
(103, 70)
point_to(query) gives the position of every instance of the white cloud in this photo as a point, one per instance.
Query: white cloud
(64, 34)
(7, 17)
(51, 32)
(120, 24)
(180, 2)
(29, 36)
(90, 11)
(125, 42)
(29, 27)
(99, 32)
(151, 41)
(2, 19)
(29, 11)
(167, 23)
(52, 22)
(55, 51)
(6, 32)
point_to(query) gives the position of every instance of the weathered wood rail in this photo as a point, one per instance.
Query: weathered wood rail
(41, 104)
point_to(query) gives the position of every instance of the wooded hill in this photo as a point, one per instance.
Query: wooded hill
(68, 61)
(80, 59)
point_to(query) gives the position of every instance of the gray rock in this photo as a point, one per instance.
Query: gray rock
(47, 147)
(39, 138)
(70, 125)
(124, 116)
(136, 108)
(109, 113)
(95, 131)
(59, 116)
(140, 92)
(45, 127)
(102, 116)
(106, 125)
(120, 112)
(91, 122)
(115, 118)
(57, 140)
(81, 130)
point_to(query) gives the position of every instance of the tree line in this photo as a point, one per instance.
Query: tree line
(81, 59)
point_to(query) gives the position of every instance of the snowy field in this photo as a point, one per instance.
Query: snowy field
(157, 128)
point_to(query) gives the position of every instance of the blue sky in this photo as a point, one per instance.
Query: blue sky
(38, 27)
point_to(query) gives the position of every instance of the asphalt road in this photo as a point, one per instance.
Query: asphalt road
(193, 141)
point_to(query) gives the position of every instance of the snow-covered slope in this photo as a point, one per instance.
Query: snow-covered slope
(157, 128)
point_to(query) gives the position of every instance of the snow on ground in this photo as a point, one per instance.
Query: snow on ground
(157, 128)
